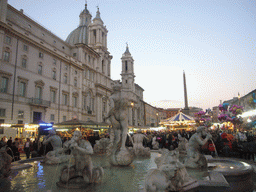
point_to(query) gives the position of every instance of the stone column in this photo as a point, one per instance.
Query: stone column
(1, 43)
(136, 116)
(3, 11)
(130, 120)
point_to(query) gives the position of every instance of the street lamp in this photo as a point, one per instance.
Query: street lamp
(239, 98)
(157, 119)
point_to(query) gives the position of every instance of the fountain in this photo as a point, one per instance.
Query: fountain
(101, 145)
(138, 147)
(82, 172)
(119, 170)
(117, 152)
(226, 175)
(56, 155)
(5, 161)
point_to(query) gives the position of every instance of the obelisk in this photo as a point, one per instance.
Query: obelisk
(186, 109)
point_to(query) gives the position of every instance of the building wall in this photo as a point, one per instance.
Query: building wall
(151, 115)
(85, 79)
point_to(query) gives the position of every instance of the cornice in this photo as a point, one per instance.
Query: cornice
(103, 87)
(65, 58)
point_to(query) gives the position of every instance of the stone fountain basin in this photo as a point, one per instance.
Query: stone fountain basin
(41, 177)
(222, 175)
(237, 173)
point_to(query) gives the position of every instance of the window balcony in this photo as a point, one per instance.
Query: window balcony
(39, 102)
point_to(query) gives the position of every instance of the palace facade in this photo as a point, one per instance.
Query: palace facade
(43, 77)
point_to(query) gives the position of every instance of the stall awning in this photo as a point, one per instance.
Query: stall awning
(74, 123)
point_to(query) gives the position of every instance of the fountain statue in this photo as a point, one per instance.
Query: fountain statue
(5, 161)
(182, 148)
(117, 152)
(82, 172)
(194, 158)
(155, 144)
(101, 145)
(138, 147)
(170, 175)
(57, 155)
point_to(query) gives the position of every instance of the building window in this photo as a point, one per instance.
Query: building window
(40, 69)
(2, 112)
(41, 55)
(126, 66)
(92, 104)
(85, 73)
(85, 56)
(102, 66)
(4, 84)
(22, 89)
(66, 67)
(76, 72)
(64, 118)
(20, 122)
(6, 56)
(24, 63)
(75, 101)
(53, 96)
(104, 109)
(8, 40)
(65, 99)
(54, 74)
(54, 61)
(75, 82)
(20, 114)
(92, 76)
(84, 102)
(65, 79)
(89, 58)
(25, 48)
(74, 54)
(38, 92)
(52, 117)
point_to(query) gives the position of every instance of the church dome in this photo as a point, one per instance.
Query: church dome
(79, 35)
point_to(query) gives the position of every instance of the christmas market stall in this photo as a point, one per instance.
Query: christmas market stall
(178, 122)
(66, 128)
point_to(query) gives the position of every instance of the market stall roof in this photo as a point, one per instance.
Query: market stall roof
(80, 123)
(180, 117)
(72, 122)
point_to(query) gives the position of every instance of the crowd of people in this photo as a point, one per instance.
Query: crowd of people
(223, 143)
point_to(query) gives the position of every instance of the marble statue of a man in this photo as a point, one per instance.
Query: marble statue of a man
(138, 147)
(55, 156)
(194, 158)
(82, 172)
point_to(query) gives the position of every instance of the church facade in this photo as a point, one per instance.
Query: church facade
(45, 78)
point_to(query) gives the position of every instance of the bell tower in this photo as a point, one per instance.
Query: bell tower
(98, 33)
(127, 73)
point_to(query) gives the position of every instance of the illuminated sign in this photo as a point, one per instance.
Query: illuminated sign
(45, 124)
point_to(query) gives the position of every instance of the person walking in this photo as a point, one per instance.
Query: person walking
(27, 147)
(15, 149)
